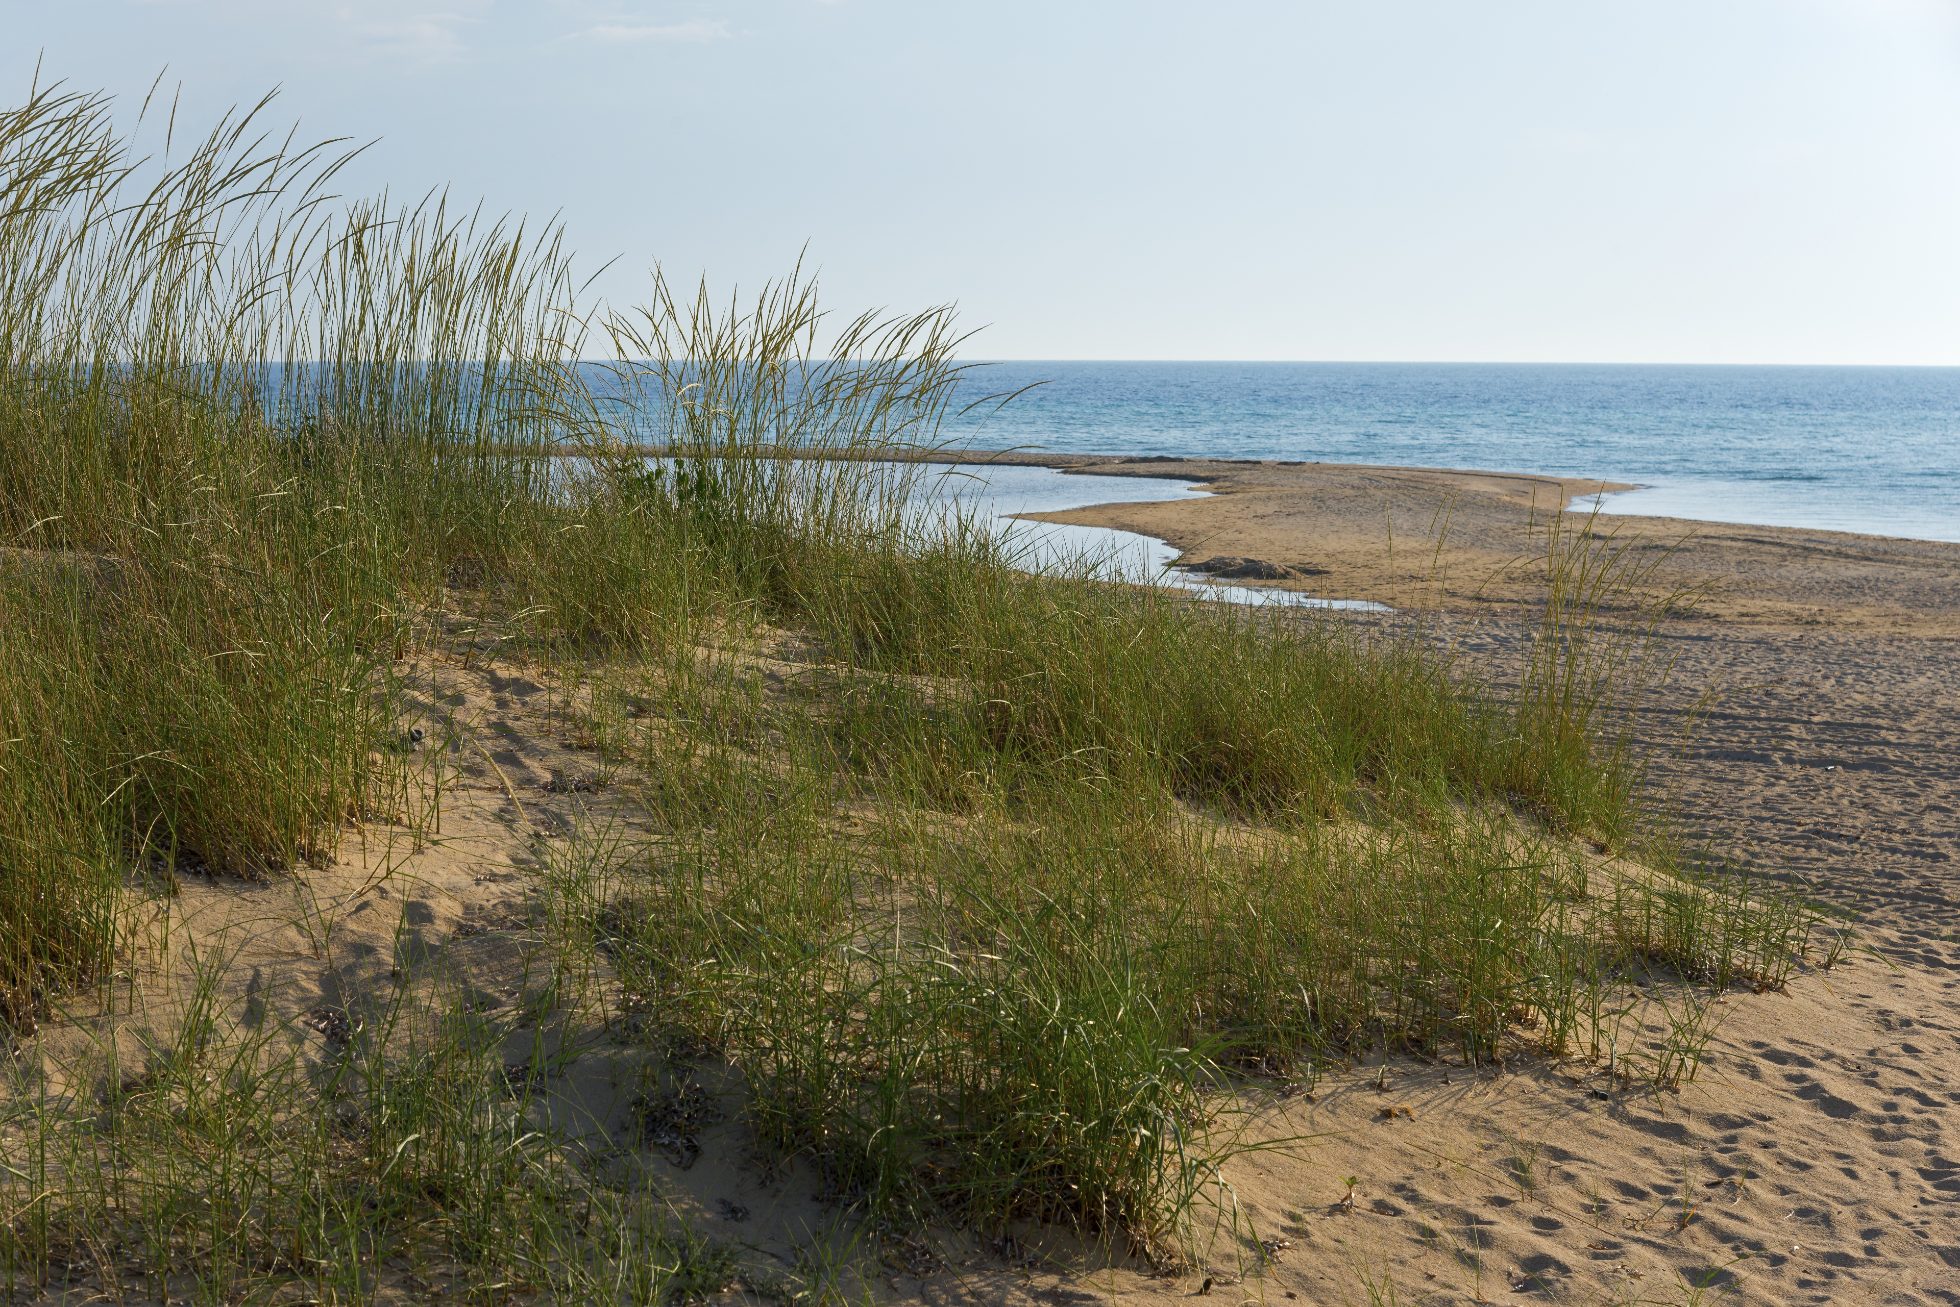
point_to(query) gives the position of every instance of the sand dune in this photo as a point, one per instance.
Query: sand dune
(1815, 1158)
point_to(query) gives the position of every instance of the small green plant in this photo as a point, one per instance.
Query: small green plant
(1380, 1288)
(1690, 1027)
(1524, 1167)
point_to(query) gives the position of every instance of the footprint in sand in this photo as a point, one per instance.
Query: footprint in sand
(1838, 1109)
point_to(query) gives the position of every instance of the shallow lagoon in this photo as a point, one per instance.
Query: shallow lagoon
(999, 495)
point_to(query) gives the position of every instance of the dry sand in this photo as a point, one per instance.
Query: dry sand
(1815, 1159)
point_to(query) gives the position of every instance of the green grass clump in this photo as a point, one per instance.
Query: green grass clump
(1255, 712)
(220, 1160)
(210, 551)
(1026, 1073)
(63, 867)
(1012, 1014)
(250, 438)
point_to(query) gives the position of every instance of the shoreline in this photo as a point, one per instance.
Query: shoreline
(1461, 540)
(1154, 465)
(1202, 469)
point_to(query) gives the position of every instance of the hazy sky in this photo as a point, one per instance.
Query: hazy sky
(1712, 180)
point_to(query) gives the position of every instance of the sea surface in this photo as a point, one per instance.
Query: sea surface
(1874, 450)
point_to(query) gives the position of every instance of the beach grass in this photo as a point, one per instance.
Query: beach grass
(990, 905)
(1010, 966)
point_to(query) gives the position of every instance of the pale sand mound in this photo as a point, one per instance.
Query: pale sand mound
(1816, 1158)
(1454, 541)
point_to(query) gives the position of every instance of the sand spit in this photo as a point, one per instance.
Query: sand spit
(1451, 542)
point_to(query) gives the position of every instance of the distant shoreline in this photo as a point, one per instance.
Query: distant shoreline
(1459, 539)
(1205, 469)
(1151, 465)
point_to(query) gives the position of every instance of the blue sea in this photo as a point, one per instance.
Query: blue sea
(1875, 450)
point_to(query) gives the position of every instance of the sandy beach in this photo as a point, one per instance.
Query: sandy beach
(1817, 1156)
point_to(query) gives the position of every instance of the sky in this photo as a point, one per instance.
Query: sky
(1773, 181)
